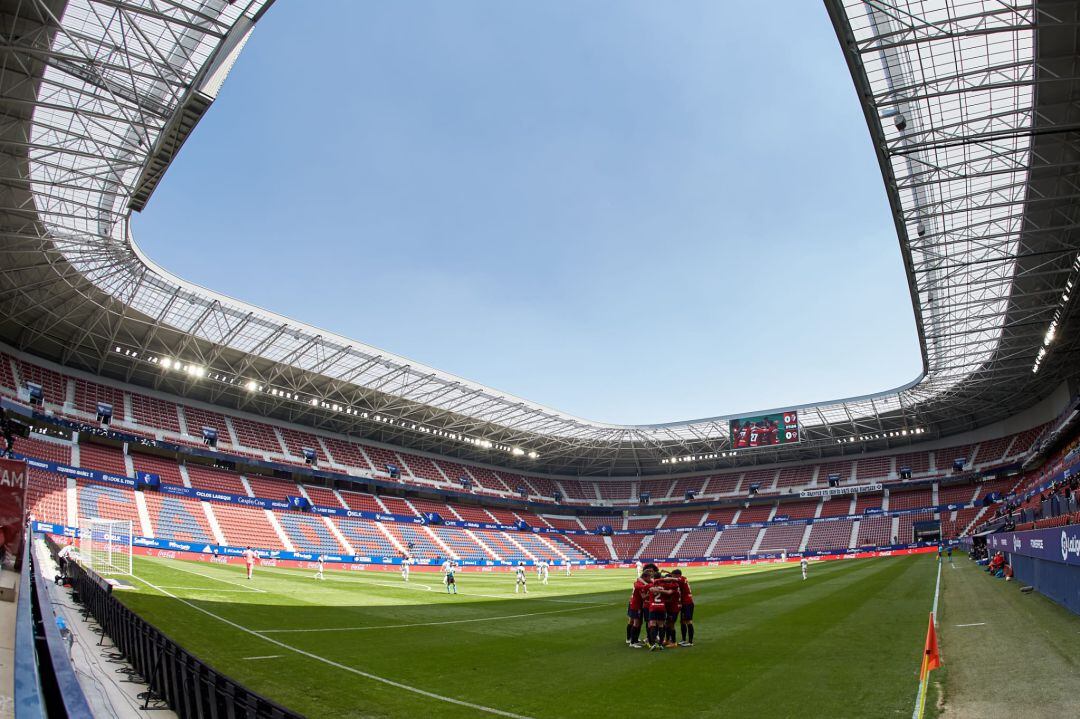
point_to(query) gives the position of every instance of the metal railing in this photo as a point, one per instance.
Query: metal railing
(187, 685)
(45, 680)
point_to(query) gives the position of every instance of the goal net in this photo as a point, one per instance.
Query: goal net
(105, 545)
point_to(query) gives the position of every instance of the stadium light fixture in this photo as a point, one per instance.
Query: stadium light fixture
(252, 385)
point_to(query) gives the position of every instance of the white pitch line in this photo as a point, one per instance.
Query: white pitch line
(424, 624)
(268, 656)
(403, 585)
(216, 579)
(933, 618)
(976, 624)
(337, 665)
(211, 589)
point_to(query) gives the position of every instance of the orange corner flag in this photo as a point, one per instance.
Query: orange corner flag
(931, 656)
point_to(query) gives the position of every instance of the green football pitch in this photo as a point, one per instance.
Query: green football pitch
(844, 643)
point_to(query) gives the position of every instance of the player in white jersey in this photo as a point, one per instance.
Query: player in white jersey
(321, 564)
(637, 568)
(566, 566)
(519, 582)
(249, 560)
(543, 571)
(804, 564)
(449, 568)
(405, 568)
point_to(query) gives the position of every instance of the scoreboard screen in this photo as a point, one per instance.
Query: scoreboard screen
(765, 430)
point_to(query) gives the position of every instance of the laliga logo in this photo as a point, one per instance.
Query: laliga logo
(1069, 546)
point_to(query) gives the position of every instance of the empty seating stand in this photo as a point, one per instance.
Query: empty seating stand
(696, 543)
(829, 535)
(782, 537)
(215, 480)
(736, 541)
(103, 459)
(246, 527)
(346, 454)
(874, 531)
(152, 412)
(46, 496)
(178, 519)
(254, 435)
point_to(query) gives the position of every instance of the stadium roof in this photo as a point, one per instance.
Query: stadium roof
(971, 111)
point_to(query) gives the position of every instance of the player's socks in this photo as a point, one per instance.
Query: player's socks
(690, 631)
(682, 631)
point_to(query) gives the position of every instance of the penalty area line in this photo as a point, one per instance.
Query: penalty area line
(338, 665)
(176, 565)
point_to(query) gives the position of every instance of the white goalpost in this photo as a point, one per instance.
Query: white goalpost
(105, 545)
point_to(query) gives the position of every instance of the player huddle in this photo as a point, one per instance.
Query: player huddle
(659, 599)
(757, 434)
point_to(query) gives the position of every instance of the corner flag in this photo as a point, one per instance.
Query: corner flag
(931, 656)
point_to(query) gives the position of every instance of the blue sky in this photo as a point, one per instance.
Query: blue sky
(631, 211)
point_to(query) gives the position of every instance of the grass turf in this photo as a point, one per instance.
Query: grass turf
(845, 643)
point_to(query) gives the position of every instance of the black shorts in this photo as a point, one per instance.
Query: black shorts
(450, 579)
(632, 613)
(658, 615)
(688, 612)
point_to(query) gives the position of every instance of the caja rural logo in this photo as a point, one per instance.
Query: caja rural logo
(1069, 545)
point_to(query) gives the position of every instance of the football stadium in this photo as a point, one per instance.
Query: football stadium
(214, 510)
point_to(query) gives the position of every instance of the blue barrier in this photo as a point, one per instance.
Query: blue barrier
(1054, 544)
(1048, 559)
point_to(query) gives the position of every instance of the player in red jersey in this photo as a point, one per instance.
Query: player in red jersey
(744, 436)
(657, 606)
(671, 607)
(686, 619)
(773, 436)
(635, 607)
(756, 435)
